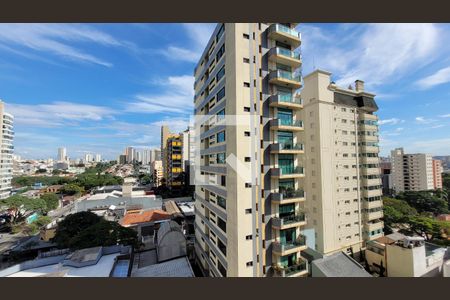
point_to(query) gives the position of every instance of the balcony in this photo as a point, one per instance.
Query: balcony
(371, 226)
(285, 57)
(289, 247)
(286, 173)
(288, 125)
(287, 148)
(295, 220)
(286, 197)
(285, 78)
(371, 171)
(296, 270)
(372, 204)
(370, 149)
(370, 160)
(286, 101)
(374, 215)
(284, 34)
(372, 193)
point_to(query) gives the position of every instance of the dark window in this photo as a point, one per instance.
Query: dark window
(220, 74)
(222, 224)
(222, 247)
(220, 158)
(246, 60)
(249, 264)
(220, 52)
(248, 185)
(246, 109)
(246, 36)
(222, 270)
(246, 84)
(248, 211)
(247, 133)
(220, 32)
(223, 180)
(248, 237)
(221, 94)
(221, 137)
(247, 159)
(222, 202)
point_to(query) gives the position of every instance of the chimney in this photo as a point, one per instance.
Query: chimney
(359, 85)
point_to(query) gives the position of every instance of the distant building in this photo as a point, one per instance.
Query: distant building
(437, 174)
(122, 159)
(145, 222)
(6, 160)
(397, 255)
(62, 154)
(61, 165)
(98, 158)
(411, 172)
(88, 157)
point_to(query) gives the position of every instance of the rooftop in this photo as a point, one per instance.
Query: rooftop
(153, 215)
(340, 265)
(178, 267)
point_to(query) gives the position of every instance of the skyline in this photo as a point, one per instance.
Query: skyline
(99, 88)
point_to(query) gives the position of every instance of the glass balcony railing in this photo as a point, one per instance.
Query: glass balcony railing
(291, 146)
(288, 245)
(289, 194)
(286, 75)
(294, 218)
(286, 271)
(285, 29)
(290, 170)
(289, 98)
(287, 53)
(289, 122)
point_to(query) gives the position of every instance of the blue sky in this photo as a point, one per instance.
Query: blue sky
(101, 87)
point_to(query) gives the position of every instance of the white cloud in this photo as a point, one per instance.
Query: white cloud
(422, 120)
(57, 114)
(177, 97)
(54, 38)
(392, 121)
(440, 77)
(445, 116)
(198, 35)
(376, 53)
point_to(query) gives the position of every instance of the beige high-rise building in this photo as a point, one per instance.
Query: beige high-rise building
(6, 155)
(157, 171)
(412, 172)
(249, 202)
(343, 175)
(437, 173)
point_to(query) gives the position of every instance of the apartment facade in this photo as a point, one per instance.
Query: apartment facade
(62, 154)
(411, 172)
(174, 163)
(437, 174)
(6, 161)
(249, 202)
(157, 172)
(343, 181)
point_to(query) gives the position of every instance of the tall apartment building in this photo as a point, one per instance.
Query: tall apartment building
(249, 201)
(343, 182)
(165, 135)
(130, 153)
(6, 155)
(98, 157)
(157, 172)
(411, 172)
(437, 174)
(62, 154)
(174, 163)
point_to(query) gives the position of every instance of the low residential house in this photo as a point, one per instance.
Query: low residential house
(397, 255)
(52, 188)
(337, 265)
(146, 223)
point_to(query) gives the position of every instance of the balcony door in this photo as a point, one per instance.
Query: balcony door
(286, 210)
(285, 116)
(286, 163)
(288, 260)
(286, 187)
(286, 139)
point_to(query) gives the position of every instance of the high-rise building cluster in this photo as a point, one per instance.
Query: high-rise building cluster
(7, 150)
(280, 174)
(415, 172)
(139, 155)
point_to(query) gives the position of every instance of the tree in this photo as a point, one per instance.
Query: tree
(104, 233)
(72, 225)
(52, 201)
(56, 172)
(145, 179)
(20, 206)
(86, 229)
(40, 171)
(425, 202)
(72, 189)
(428, 227)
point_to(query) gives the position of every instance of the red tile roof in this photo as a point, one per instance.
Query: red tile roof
(145, 216)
